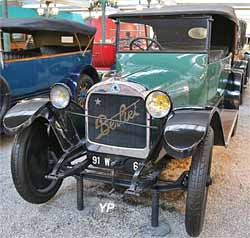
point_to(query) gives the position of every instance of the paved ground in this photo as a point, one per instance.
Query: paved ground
(228, 209)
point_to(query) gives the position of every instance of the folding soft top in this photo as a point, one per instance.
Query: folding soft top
(187, 9)
(29, 25)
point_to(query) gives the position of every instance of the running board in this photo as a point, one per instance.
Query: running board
(228, 119)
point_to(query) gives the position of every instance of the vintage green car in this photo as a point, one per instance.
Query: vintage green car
(174, 94)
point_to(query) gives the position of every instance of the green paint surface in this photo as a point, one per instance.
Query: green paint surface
(183, 76)
(217, 78)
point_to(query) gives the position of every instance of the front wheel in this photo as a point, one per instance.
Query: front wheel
(198, 183)
(31, 162)
(83, 85)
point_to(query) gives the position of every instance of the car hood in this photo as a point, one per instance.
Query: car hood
(177, 74)
(155, 70)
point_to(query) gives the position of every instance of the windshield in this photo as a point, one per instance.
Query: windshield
(163, 34)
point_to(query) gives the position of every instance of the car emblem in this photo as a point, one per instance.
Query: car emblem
(98, 102)
(115, 88)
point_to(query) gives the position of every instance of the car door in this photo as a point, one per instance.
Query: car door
(20, 75)
(58, 67)
(217, 76)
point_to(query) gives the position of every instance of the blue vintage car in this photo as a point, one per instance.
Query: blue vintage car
(44, 52)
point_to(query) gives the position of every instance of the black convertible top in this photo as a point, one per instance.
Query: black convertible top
(28, 25)
(188, 9)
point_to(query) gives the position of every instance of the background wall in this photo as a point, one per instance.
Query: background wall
(16, 12)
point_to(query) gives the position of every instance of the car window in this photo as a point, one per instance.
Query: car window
(163, 34)
(22, 46)
(129, 33)
(21, 41)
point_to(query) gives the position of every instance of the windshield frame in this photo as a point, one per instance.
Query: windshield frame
(206, 49)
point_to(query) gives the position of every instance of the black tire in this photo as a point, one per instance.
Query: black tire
(30, 162)
(84, 83)
(198, 179)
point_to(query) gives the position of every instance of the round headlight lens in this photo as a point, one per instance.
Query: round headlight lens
(60, 96)
(158, 104)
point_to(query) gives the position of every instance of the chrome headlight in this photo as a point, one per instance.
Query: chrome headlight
(158, 104)
(60, 95)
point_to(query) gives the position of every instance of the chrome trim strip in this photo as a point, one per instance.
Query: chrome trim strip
(134, 86)
(127, 89)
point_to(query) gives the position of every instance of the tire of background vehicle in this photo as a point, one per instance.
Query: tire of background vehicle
(5, 98)
(197, 191)
(84, 83)
(30, 163)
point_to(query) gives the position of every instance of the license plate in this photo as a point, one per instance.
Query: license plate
(105, 161)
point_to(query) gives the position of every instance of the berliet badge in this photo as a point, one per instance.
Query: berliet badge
(115, 88)
(125, 114)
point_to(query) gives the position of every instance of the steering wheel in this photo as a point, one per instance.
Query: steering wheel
(144, 44)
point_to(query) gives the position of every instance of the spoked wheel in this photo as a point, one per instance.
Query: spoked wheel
(31, 161)
(198, 183)
(84, 84)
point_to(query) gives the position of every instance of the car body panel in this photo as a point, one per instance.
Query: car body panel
(217, 76)
(36, 75)
(178, 74)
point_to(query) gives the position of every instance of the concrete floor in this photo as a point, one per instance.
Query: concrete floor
(228, 208)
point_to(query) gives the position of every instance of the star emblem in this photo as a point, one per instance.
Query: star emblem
(98, 102)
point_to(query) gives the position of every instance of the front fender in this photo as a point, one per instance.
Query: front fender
(68, 128)
(233, 89)
(24, 113)
(187, 128)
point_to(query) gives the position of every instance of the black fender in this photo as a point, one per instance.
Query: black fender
(62, 123)
(91, 72)
(5, 98)
(247, 58)
(24, 113)
(233, 90)
(186, 128)
(242, 65)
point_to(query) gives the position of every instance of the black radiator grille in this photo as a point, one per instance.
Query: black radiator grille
(118, 108)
